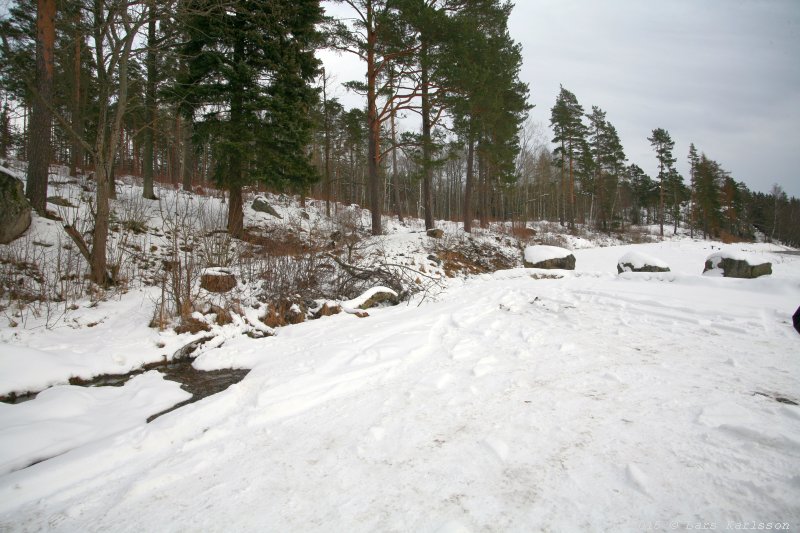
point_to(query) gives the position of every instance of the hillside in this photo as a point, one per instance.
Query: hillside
(494, 397)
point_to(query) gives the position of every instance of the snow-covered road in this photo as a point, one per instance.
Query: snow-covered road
(586, 403)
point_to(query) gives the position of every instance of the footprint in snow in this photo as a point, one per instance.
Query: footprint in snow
(497, 447)
(637, 478)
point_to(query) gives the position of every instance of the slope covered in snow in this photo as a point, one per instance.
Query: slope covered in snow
(518, 401)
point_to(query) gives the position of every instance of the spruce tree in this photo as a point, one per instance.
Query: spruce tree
(248, 89)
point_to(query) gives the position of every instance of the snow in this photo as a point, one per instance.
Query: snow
(216, 271)
(503, 402)
(65, 417)
(640, 260)
(538, 253)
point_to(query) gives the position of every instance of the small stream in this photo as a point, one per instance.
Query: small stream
(199, 383)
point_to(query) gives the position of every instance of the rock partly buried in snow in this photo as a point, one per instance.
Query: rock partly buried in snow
(217, 279)
(374, 297)
(736, 265)
(15, 210)
(261, 205)
(640, 262)
(549, 257)
(435, 233)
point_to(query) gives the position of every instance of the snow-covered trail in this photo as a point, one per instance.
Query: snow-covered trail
(592, 402)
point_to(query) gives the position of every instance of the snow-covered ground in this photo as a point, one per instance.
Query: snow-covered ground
(523, 400)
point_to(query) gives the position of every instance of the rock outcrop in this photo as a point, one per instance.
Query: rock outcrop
(15, 210)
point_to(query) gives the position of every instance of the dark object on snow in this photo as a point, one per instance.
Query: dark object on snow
(15, 210)
(435, 233)
(217, 280)
(261, 205)
(737, 268)
(796, 320)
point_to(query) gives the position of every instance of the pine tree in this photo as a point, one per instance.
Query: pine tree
(709, 176)
(662, 144)
(570, 137)
(248, 90)
(694, 159)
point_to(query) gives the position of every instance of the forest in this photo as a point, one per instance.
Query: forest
(202, 94)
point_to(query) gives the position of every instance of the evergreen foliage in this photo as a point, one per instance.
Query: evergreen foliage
(248, 90)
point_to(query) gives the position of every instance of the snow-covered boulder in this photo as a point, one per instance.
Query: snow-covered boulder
(373, 297)
(217, 279)
(15, 210)
(261, 205)
(736, 265)
(640, 262)
(549, 257)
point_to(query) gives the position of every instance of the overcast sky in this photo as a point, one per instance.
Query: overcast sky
(724, 74)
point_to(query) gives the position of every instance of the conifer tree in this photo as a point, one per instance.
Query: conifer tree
(570, 137)
(248, 89)
(662, 144)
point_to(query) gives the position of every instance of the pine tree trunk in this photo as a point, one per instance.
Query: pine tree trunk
(77, 101)
(427, 168)
(468, 185)
(327, 119)
(41, 117)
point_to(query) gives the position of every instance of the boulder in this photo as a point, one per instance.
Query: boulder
(548, 257)
(15, 210)
(376, 296)
(261, 205)
(217, 280)
(640, 262)
(736, 265)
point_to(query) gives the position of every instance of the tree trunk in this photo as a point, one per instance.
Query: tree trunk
(395, 175)
(99, 265)
(186, 156)
(41, 117)
(149, 105)
(374, 127)
(327, 126)
(235, 212)
(77, 100)
(427, 168)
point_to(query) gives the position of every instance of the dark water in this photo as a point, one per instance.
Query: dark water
(199, 383)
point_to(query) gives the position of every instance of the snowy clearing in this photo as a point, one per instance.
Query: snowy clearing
(585, 401)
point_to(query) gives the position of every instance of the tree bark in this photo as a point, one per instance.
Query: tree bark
(149, 105)
(41, 117)
(427, 169)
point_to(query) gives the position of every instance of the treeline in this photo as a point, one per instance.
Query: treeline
(232, 92)
(196, 91)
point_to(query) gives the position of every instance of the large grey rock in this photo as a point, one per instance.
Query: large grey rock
(15, 210)
(736, 265)
(261, 205)
(640, 262)
(548, 257)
